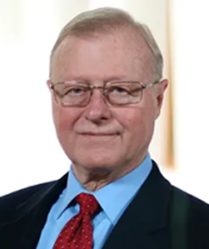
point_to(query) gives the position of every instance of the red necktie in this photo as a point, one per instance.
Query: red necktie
(78, 232)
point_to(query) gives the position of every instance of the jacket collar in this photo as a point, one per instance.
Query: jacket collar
(32, 215)
(144, 223)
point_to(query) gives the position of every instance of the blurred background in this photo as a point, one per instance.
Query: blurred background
(29, 150)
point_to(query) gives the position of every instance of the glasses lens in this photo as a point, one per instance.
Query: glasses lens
(72, 94)
(124, 93)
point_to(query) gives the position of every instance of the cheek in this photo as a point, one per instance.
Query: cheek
(64, 118)
(138, 124)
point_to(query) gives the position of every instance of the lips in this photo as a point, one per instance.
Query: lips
(99, 133)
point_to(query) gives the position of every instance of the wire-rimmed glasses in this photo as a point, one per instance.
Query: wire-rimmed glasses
(77, 93)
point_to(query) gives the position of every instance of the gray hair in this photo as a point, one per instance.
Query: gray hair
(107, 20)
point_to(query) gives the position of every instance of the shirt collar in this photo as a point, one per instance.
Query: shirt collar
(123, 190)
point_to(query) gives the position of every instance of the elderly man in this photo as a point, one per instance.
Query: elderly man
(107, 91)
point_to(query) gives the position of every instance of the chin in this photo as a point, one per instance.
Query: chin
(95, 163)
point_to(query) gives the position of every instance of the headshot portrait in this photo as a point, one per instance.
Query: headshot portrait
(107, 89)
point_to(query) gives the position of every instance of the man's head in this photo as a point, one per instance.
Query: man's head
(98, 47)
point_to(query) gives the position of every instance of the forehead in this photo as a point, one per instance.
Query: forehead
(98, 57)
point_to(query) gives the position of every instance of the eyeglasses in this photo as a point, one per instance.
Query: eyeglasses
(75, 93)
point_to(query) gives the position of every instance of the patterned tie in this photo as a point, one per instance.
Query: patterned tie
(78, 232)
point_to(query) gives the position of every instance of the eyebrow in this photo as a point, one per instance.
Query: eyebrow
(85, 80)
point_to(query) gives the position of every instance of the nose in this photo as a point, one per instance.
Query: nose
(97, 110)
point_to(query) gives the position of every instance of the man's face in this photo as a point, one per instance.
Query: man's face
(100, 137)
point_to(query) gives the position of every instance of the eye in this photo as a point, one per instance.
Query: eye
(75, 91)
(119, 90)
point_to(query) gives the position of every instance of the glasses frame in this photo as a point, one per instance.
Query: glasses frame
(104, 94)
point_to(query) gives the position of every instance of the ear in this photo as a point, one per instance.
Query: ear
(160, 90)
(49, 83)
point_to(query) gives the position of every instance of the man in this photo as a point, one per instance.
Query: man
(107, 91)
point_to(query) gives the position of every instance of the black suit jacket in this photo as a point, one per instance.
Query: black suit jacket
(159, 217)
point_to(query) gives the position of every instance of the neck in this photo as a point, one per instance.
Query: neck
(94, 179)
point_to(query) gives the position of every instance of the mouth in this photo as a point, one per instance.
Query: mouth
(100, 134)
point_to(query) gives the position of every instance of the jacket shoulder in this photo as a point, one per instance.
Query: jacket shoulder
(189, 220)
(194, 204)
(10, 202)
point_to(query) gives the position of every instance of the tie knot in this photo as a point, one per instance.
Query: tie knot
(88, 204)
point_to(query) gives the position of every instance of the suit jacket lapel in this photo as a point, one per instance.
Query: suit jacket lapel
(144, 223)
(32, 215)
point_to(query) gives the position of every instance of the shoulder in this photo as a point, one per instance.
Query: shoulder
(191, 215)
(193, 204)
(10, 202)
(178, 199)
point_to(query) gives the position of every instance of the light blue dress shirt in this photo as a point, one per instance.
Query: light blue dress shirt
(113, 198)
